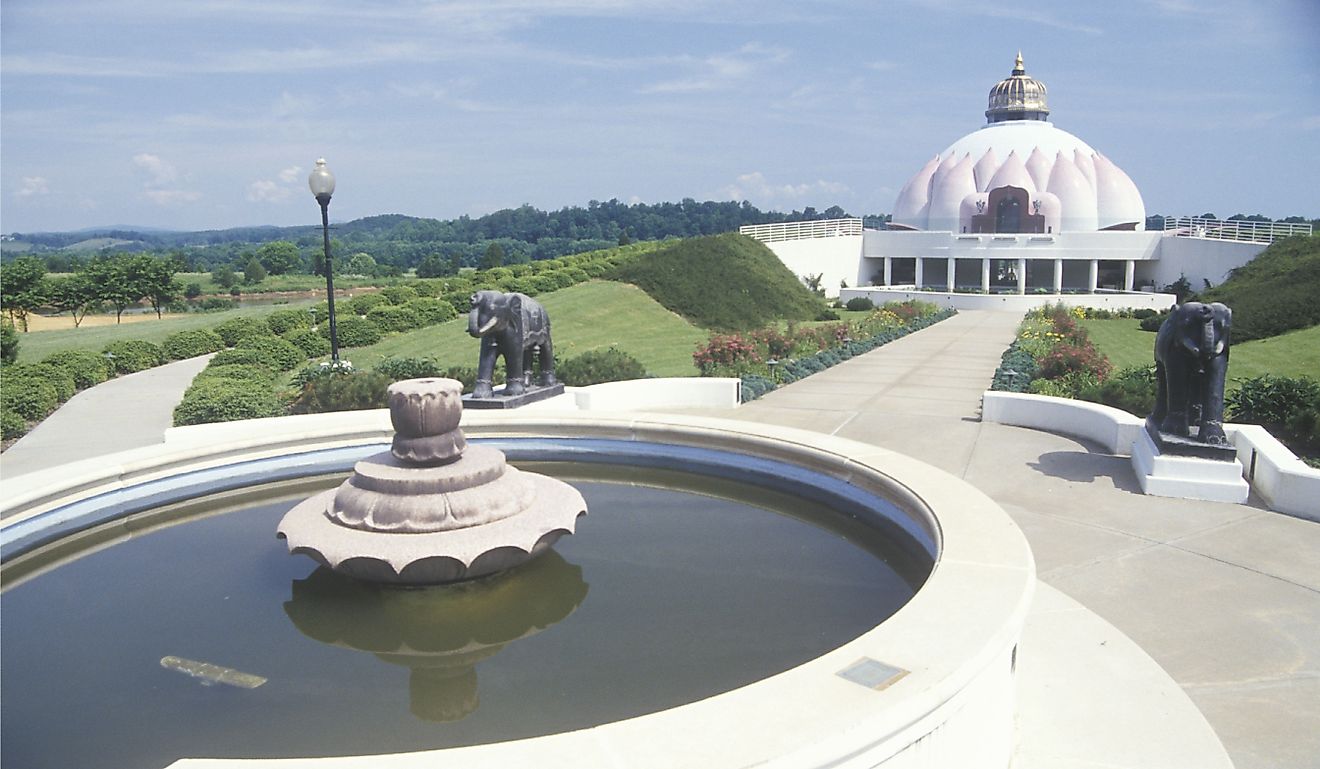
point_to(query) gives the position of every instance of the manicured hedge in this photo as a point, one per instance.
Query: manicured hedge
(399, 369)
(235, 330)
(597, 366)
(130, 355)
(310, 342)
(190, 344)
(280, 354)
(391, 317)
(351, 391)
(28, 395)
(431, 311)
(360, 305)
(87, 368)
(12, 425)
(244, 356)
(353, 331)
(223, 399)
(399, 294)
(284, 321)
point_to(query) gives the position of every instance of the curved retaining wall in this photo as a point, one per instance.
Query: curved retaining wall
(948, 698)
(1284, 482)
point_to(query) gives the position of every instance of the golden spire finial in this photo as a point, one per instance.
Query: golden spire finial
(1018, 67)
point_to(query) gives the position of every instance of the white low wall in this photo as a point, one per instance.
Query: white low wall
(836, 260)
(1284, 482)
(1138, 300)
(648, 395)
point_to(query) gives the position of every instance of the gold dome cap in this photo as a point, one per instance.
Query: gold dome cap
(1018, 97)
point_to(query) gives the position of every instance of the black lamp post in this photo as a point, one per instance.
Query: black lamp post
(322, 183)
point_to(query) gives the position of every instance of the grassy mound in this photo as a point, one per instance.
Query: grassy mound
(590, 316)
(724, 282)
(1275, 292)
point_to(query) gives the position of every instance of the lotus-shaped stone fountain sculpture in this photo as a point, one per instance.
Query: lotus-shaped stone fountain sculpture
(431, 509)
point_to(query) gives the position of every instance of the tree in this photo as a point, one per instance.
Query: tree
(224, 276)
(8, 342)
(115, 283)
(76, 295)
(494, 257)
(23, 288)
(155, 279)
(279, 257)
(254, 272)
(360, 263)
(434, 266)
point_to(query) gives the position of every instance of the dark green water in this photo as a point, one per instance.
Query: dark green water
(663, 597)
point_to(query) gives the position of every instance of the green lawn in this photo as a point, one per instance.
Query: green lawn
(36, 345)
(1296, 353)
(589, 316)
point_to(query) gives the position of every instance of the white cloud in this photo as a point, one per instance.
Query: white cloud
(755, 187)
(159, 172)
(291, 174)
(266, 191)
(32, 186)
(719, 71)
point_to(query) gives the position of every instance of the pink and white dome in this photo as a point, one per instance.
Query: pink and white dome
(1074, 187)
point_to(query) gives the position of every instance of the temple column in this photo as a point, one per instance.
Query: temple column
(1022, 276)
(917, 275)
(889, 270)
(1058, 276)
(1093, 279)
(985, 276)
(950, 268)
(1129, 273)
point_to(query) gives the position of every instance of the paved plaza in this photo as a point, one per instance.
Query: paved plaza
(1225, 598)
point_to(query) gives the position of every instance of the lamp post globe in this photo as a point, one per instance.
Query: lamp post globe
(322, 184)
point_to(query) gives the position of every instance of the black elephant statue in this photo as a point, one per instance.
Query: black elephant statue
(1191, 360)
(516, 327)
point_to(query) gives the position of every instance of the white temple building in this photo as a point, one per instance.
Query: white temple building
(1018, 207)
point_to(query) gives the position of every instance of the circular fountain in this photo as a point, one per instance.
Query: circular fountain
(931, 685)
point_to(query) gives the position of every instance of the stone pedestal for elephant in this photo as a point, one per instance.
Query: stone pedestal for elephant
(499, 400)
(1166, 468)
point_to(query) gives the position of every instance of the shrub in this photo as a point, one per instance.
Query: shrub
(431, 311)
(216, 304)
(225, 399)
(245, 371)
(860, 303)
(1132, 389)
(242, 355)
(8, 342)
(58, 377)
(1270, 400)
(351, 391)
(468, 376)
(1144, 313)
(310, 342)
(398, 369)
(130, 355)
(190, 344)
(461, 301)
(399, 294)
(1065, 359)
(427, 288)
(1153, 322)
(279, 354)
(12, 425)
(87, 368)
(827, 314)
(754, 387)
(235, 330)
(725, 353)
(289, 319)
(596, 366)
(1017, 367)
(29, 395)
(363, 303)
(353, 331)
(391, 317)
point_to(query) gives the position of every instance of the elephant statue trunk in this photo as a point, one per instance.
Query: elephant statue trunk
(1191, 364)
(515, 327)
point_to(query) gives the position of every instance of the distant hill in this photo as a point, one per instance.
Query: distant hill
(1275, 292)
(725, 282)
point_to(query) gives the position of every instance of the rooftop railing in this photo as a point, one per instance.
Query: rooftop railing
(1232, 229)
(824, 228)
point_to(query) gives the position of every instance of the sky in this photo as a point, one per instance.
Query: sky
(207, 114)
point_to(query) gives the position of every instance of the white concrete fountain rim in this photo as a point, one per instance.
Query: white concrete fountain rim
(953, 642)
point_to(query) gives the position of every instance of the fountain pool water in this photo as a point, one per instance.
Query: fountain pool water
(725, 635)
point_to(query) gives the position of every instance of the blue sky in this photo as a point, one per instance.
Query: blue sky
(200, 114)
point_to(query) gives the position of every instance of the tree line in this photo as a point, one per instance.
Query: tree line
(115, 280)
(396, 243)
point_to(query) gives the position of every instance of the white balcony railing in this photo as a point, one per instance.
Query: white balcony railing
(1232, 229)
(825, 228)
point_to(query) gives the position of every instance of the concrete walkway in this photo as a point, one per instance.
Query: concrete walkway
(1226, 598)
(123, 413)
